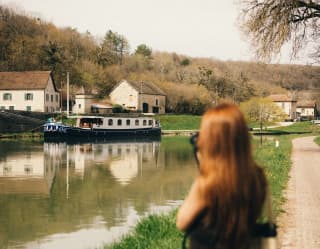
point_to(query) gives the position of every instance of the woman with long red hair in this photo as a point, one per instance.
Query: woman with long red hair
(227, 196)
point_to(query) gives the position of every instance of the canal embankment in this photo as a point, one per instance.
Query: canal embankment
(276, 161)
(159, 231)
(21, 121)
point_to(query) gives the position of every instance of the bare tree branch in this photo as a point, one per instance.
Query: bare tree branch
(269, 24)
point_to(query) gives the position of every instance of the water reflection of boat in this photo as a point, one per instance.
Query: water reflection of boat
(97, 126)
(102, 139)
(123, 158)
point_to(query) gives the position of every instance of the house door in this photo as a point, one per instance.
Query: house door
(145, 107)
(155, 109)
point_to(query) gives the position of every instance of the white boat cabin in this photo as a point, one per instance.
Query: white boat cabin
(96, 122)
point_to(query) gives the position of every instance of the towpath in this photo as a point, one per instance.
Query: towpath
(299, 226)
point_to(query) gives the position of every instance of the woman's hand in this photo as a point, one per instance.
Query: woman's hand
(192, 206)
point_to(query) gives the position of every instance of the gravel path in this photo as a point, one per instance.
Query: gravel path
(299, 226)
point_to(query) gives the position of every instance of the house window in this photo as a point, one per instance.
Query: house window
(7, 96)
(144, 122)
(51, 98)
(79, 106)
(2, 108)
(128, 122)
(47, 97)
(28, 96)
(150, 122)
(119, 122)
(157, 102)
(11, 108)
(110, 122)
(136, 122)
(57, 98)
(28, 108)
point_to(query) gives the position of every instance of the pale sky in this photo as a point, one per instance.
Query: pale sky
(198, 28)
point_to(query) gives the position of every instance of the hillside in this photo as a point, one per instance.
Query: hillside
(29, 43)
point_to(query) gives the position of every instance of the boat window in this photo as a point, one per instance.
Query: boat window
(110, 122)
(128, 121)
(99, 121)
(137, 122)
(119, 122)
(150, 122)
(144, 122)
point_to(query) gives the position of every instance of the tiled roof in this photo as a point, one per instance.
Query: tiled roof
(281, 98)
(306, 103)
(146, 88)
(24, 80)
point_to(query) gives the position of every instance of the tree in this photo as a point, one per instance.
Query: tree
(113, 49)
(269, 24)
(219, 87)
(143, 50)
(242, 90)
(262, 111)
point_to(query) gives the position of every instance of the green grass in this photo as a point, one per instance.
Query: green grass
(299, 127)
(159, 231)
(179, 122)
(186, 122)
(156, 231)
(317, 140)
(277, 163)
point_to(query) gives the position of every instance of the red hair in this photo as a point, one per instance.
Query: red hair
(232, 184)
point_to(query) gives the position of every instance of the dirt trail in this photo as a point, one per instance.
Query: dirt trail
(299, 227)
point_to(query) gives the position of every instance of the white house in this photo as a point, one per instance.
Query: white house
(287, 103)
(29, 91)
(139, 96)
(83, 102)
(306, 109)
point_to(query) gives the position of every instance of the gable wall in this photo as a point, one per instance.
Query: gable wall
(52, 103)
(126, 96)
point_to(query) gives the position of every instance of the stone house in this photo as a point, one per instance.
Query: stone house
(83, 101)
(306, 109)
(139, 96)
(287, 103)
(29, 91)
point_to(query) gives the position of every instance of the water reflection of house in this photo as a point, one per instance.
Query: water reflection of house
(26, 173)
(132, 159)
(80, 154)
(125, 167)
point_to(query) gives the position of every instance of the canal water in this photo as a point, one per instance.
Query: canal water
(84, 195)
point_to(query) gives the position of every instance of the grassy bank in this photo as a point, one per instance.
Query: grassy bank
(179, 122)
(299, 127)
(158, 231)
(317, 140)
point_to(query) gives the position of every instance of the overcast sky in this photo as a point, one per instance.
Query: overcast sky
(198, 28)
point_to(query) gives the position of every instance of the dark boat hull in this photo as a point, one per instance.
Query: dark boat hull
(79, 133)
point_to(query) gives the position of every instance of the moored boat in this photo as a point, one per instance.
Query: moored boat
(97, 126)
(54, 129)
